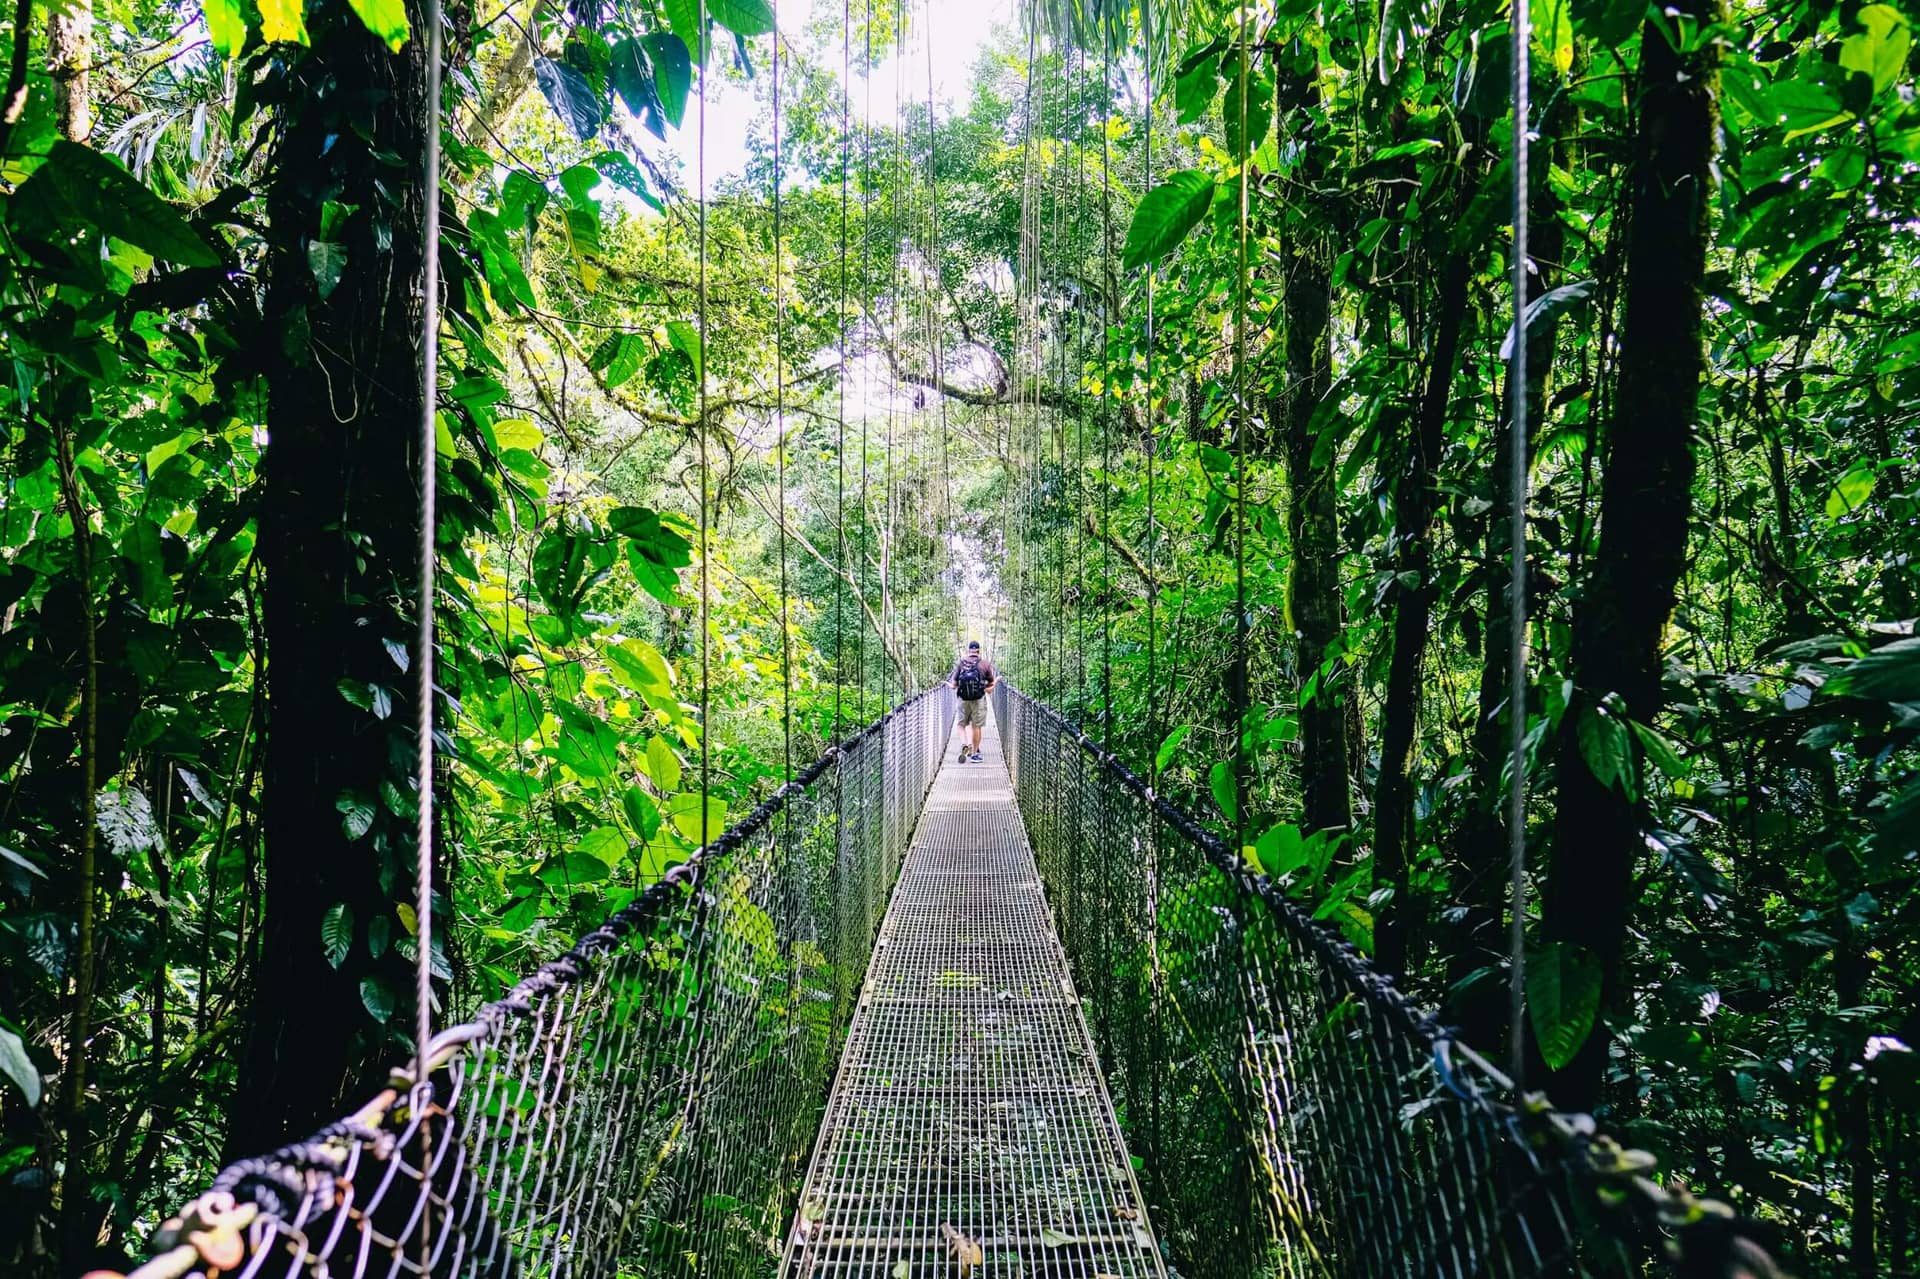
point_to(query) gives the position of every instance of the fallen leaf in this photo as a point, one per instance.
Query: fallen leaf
(1054, 1239)
(966, 1253)
(903, 1269)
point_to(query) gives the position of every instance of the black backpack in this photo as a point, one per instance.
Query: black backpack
(967, 681)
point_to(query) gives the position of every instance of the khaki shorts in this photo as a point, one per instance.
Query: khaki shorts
(973, 714)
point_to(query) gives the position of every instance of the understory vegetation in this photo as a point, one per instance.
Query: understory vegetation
(1167, 351)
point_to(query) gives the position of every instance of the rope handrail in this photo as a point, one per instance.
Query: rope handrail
(762, 935)
(1557, 1195)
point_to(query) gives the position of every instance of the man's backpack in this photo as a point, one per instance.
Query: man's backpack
(968, 681)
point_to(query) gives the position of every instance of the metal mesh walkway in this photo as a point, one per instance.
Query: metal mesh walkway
(970, 1131)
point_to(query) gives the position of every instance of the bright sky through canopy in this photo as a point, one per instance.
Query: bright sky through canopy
(960, 31)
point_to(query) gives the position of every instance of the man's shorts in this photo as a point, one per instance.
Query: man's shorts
(973, 714)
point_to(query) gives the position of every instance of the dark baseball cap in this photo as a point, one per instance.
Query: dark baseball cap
(973, 645)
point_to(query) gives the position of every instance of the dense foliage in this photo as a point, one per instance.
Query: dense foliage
(1172, 364)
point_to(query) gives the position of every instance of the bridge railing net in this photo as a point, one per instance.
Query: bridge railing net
(1294, 1114)
(643, 1105)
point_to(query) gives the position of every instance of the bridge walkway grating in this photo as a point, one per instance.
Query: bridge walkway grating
(970, 1131)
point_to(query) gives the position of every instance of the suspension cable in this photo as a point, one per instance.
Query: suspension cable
(780, 419)
(706, 580)
(840, 444)
(429, 522)
(1242, 628)
(866, 319)
(1106, 380)
(1517, 583)
(1154, 716)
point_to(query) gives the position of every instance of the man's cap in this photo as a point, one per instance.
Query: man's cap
(973, 646)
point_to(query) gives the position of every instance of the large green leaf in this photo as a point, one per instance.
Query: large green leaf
(629, 72)
(226, 25)
(1165, 216)
(283, 21)
(1226, 792)
(377, 996)
(336, 933)
(1880, 50)
(1890, 674)
(386, 19)
(672, 73)
(16, 1065)
(685, 812)
(1246, 112)
(78, 189)
(1563, 999)
(571, 97)
(1604, 744)
(742, 17)
(1851, 491)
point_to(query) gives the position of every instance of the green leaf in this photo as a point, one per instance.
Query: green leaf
(226, 25)
(1194, 87)
(327, 260)
(79, 186)
(605, 844)
(377, 997)
(1165, 216)
(631, 76)
(386, 19)
(16, 1065)
(639, 666)
(516, 433)
(1225, 793)
(1280, 850)
(1553, 32)
(1563, 999)
(336, 933)
(1164, 755)
(684, 812)
(1851, 491)
(1246, 112)
(625, 174)
(1603, 744)
(672, 73)
(662, 765)
(1805, 107)
(1880, 51)
(587, 745)
(742, 17)
(686, 340)
(1547, 306)
(1889, 674)
(283, 21)
(570, 96)
(684, 17)
(572, 868)
(356, 814)
(642, 813)
(1660, 751)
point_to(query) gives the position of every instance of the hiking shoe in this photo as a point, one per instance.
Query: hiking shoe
(963, 755)
(975, 757)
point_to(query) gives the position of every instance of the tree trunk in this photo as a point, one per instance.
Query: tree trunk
(1313, 584)
(1414, 503)
(1645, 508)
(1480, 868)
(337, 541)
(69, 56)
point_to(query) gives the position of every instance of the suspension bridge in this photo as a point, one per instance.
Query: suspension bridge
(914, 1017)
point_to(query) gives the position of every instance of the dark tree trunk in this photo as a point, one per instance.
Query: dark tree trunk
(1313, 586)
(337, 537)
(1645, 507)
(1479, 862)
(1414, 503)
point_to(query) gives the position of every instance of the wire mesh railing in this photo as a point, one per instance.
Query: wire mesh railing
(1295, 1114)
(644, 1104)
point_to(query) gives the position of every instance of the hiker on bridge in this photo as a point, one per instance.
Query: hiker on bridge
(971, 681)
